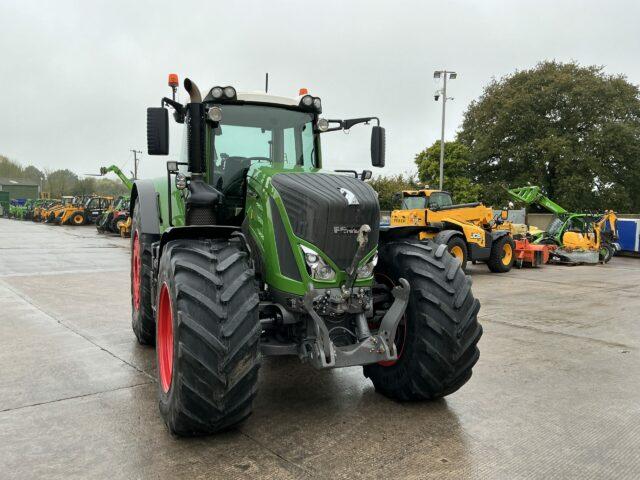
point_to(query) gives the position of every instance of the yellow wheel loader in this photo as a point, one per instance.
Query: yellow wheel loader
(86, 211)
(50, 211)
(470, 230)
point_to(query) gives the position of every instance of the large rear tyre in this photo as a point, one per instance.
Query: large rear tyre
(502, 255)
(142, 321)
(208, 334)
(438, 344)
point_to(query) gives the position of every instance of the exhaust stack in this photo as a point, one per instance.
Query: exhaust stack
(192, 89)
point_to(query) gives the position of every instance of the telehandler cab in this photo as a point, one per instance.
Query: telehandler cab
(248, 248)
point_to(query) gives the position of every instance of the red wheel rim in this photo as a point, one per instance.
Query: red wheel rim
(164, 342)
(136, 264)
(401, 331)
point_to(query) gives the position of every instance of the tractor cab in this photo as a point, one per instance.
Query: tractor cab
(431, 199)
(94, 206)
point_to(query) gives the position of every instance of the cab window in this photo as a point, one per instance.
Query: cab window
(440, 199)
(412, 203)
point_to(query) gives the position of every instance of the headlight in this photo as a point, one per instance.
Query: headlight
(216, 92)
(323, 124)
(181, 181)
(307, 100)
(317, 103)
(229, 92)
(215, 114)
(366, 270)
(316, 266)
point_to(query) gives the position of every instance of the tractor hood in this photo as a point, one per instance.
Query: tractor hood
(327, 211)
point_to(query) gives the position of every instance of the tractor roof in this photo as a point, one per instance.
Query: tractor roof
(421, 193)
(261, 97)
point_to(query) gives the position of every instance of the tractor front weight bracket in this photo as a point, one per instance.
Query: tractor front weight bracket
(379, 347)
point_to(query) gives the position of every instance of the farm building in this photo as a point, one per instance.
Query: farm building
(19, 188)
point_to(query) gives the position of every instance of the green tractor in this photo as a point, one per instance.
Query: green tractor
(248, 248)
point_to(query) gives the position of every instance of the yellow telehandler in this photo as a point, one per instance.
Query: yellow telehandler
(470, 230)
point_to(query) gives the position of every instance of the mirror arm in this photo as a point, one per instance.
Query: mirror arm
(355, 173)
(177, 106)
(347, 124)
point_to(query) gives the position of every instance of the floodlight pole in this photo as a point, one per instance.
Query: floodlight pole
(135, 162)
(444, 74)
(444, 108)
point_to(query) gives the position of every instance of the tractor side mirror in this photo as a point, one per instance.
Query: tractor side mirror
(396, 198)
(157, 131)
(377, 146)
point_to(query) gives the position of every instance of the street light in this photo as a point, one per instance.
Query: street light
(437, 75)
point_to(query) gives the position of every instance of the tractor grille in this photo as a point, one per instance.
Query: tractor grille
(200, 216)
(320, 214)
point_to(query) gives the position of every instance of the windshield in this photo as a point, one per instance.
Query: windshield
(250, 135)
(411, 203)
(439, 200)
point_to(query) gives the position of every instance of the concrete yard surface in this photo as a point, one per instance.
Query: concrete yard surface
(556, 393)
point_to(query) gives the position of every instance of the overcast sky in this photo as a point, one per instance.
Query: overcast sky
(77, 76)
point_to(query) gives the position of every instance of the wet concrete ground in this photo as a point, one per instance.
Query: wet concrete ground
(556, 393)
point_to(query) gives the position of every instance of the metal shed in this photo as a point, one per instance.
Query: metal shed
(19, 188)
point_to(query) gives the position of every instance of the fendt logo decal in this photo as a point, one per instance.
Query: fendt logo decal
(344, 230)
(349, 196)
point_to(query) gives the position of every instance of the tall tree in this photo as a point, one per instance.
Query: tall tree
(573, 130)
(84, 186)
(457, 176)
(60, 182)
(32, 173)
(9, 168)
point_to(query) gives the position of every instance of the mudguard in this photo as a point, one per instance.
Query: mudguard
(200, 231)
(145, 192)
(496, 234)
(444, 236)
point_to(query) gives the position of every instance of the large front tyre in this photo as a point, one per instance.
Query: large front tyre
(142, 321)
(503, 254)
(207, 335)
(437, 339)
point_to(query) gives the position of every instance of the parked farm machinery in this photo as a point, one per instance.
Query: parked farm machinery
(578, 237)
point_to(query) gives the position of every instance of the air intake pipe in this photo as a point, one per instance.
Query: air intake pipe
(194, 92)
(195, 128)
(204, 198)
